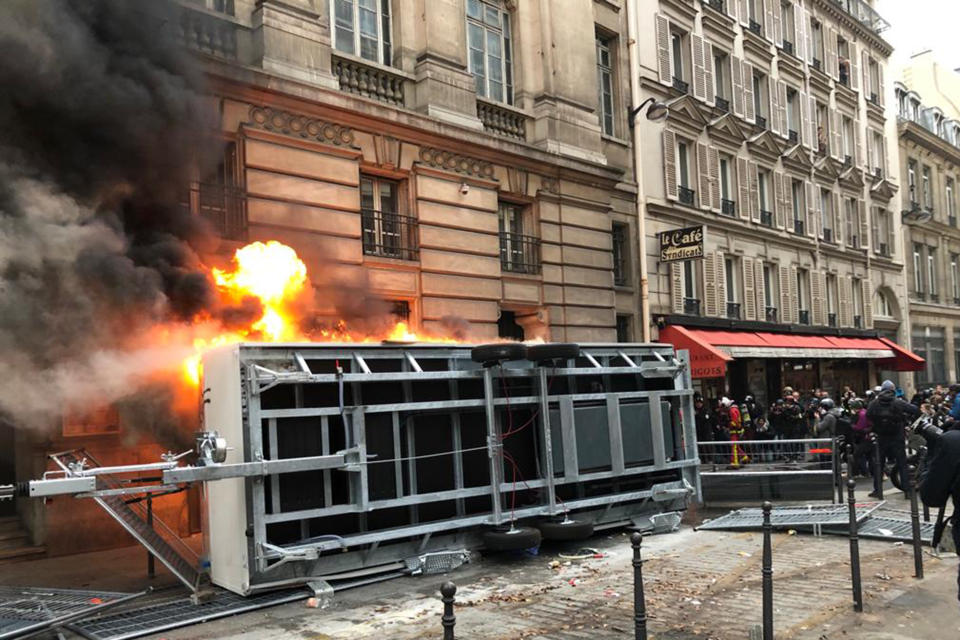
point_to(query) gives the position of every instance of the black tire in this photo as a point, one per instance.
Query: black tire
(498, 352)
(511, 539)
(567, 530)
(894, 474)
(552, 351)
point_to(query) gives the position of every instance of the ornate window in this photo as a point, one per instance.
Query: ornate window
(362, 28)
(490, 49)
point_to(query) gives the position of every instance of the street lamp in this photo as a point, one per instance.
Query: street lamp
(655, 112)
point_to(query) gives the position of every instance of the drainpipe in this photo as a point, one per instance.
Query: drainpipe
(635, 102)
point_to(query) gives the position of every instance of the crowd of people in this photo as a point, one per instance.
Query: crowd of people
(880, 413)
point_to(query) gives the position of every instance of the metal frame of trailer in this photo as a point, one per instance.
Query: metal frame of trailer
(377, 453)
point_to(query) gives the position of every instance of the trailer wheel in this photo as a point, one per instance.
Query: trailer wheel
(513, 539)
(498, 352)
(553, 351)
(565, 530)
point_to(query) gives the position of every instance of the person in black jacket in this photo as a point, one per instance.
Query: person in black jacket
(888, 415)
(939, 479)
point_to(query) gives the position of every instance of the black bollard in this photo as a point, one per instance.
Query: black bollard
(639, 603)
(837, 477)
(877, 468)
(449, 620)
(851, 472)
(915, 524)
(854, 547)
(926, 507)
(767, 574)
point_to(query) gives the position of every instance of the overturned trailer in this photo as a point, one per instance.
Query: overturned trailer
(398, 451)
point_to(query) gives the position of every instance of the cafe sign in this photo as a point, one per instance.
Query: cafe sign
(681, 244)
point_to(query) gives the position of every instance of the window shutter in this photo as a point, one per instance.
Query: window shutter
(749, 111)
(703, 170)
(736, 81)
(837, 221)
(875, 236)
(804, 119)
(865, 224)
(676, 287)
(731, 8)
(754, 192)
(670, 163)
(808, 33)
(870, 162)
(867, 303)
(811, 210)
(884, 163)
(777, 35)
(854, 68)
(721, 279)
(744, 12)
(836, 136)
(865, 70)
(816, 298)
(794, 300)
(743, 182)
(709, 283)
(760, 288)
(846, 301)
(799, 32)
(832, 69)
(786, 315)
(769, 30)
(664, 66)
(812, 119)
(708, 71)
(881, 95)
(774, 107)
(749, 291)
(699, 73)
(779, 211)
(714, 179)
(858, 139)
(784, 125)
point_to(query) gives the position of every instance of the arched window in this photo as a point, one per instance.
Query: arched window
(881, 306)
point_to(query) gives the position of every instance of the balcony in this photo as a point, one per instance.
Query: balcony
(832, 320)
(847, 162)
(828, 235)
(728, 207)
(858, 322)
(803, 315)
(788, 47)
(770, 314)
(685, 195)
(798, 227)
(755, 27)
(766, 218)
(519, 253)
(211, 33)
(680, 85)
(502, 120)
(389, 235)
(817, 64)
(793, 136)
(722, 104)
(761, 121)
(935, 298)
(224, 207)
(878, 173)
(873, 99)
(691, 306)
(884, 250)
(368, 80)
(853, 242)
(733, 310)
(716, 5)
(952, 221)
(920, 295)
(843, 77)
(864, 14)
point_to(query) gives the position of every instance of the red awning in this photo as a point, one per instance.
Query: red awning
(710, 350)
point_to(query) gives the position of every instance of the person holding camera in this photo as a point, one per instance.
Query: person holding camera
(940, 478)
(888, 415)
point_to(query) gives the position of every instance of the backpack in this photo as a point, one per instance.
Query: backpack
(885, 419)
(844, 426)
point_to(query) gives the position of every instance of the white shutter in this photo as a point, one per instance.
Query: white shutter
(784, 125)
(779, 211)
(808, 36)
(736, 81)
(868, 88)
(748, 106)
(836, 136)
(817, 212)
(769, 31)
(754, 192)
(744, 12)
(794, 301)
(774, 107)
(812, 119)
(816, 298)
(837, 221)
(831, 46)
(670, 163)
(703, 171)
(664, 63)
(854, 69)
(881, 91)
(749, 291)
(709, 284)
(676, 287)
(777, 35)
(699, 74)
(804, 119)
(869, 145)
(743, 184)
(708, 72)
(759, 286)
(715, 195)
(867, 296)
(864, 224)
(845, 285)
(860, 155)
(799, 32)
(721, 278)
(786, 312)
(811, 211)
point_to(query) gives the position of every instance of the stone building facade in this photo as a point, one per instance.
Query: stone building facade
(929, 139)
(776, 143)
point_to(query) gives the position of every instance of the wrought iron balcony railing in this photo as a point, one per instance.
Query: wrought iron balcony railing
(502, 120)
(817, 64)
(733, 310)
(878, 173)
(828, 235)
(685, 195)
(766, 218)
(756, 27)
(389, 235)
(728, 207)
(864, 14)
(847, 162)
(761, 121)
(788, 47)
(519, 253)
(716, 5)
(798, 227)
(884, 250)
(691, 306)
(952, 221)
(873, 99)
(793, 136)
(722, 104)
(935, 297)
(770, 314)
(680, 85)
(853, 242)
(368, 80)
(858, 322)
(224, 207)
(803, 315)
(831, 319)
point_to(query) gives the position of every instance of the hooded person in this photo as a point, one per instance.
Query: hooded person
(888, 415)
